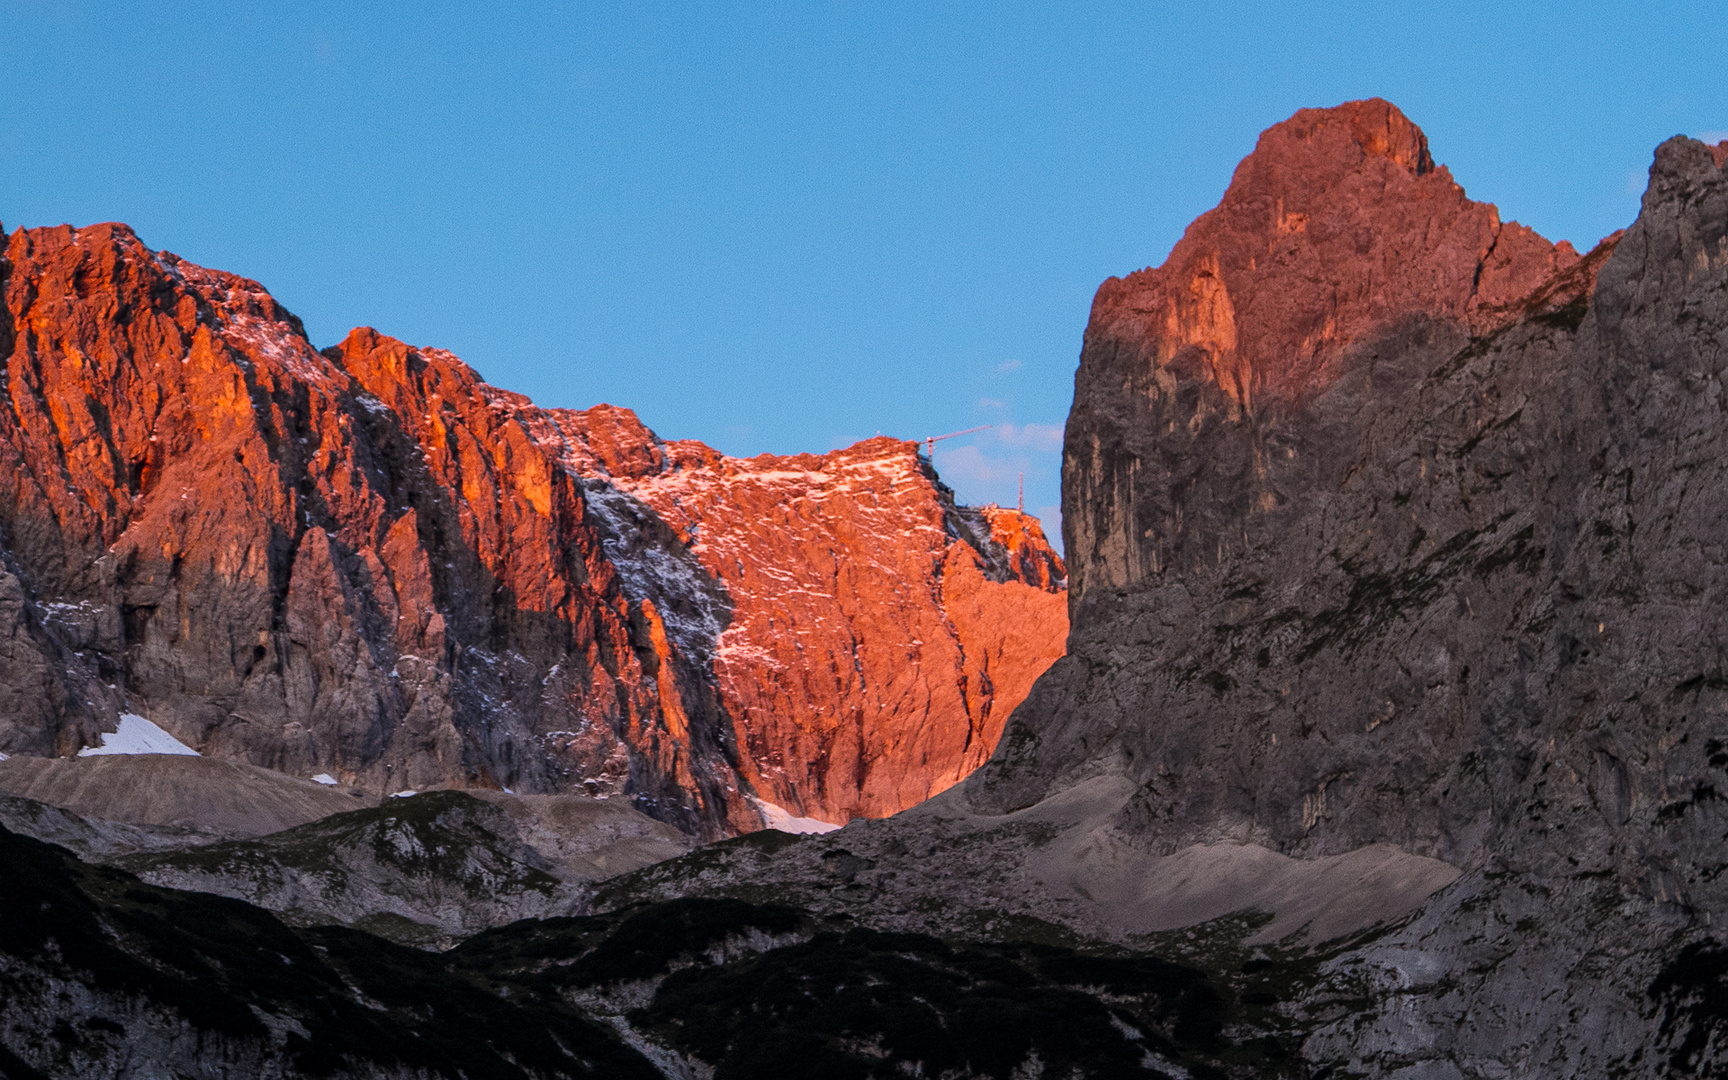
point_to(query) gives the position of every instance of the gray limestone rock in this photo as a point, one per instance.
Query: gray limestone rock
(425, 870)
(1478, 615)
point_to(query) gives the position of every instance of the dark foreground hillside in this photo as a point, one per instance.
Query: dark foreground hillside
(102, 975)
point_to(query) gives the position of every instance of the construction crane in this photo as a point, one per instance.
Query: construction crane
(931, 441)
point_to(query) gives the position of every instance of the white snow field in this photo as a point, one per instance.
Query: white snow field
(778, 817)
(137, 736)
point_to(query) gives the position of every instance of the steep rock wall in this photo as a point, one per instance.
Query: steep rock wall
(1338, 227)
(367, 562)
(1391, 523)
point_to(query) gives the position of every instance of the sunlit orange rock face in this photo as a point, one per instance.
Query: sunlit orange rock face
(857, 593)
(1338, 229)
(367, 562)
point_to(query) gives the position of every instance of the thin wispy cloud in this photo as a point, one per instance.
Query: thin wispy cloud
(1009, 365)
(1040, 438)
(1712, 137)
(968, 466)
(991, 403)
(988, 467)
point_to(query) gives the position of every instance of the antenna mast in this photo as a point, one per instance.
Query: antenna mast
(931, 441)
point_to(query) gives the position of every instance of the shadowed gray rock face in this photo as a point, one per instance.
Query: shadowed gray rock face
(1456, 585)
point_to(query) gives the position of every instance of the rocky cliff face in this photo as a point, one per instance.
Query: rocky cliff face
(1392, 523)
(1337, 228)
(369, 563)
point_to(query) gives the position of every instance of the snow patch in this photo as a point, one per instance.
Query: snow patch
(278, 342)
(324, 778)
(747, 656)
(138, 736)
(681, 589)
(403, 794)
(778, 817)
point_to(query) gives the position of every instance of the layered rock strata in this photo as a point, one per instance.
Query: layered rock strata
(369, 563)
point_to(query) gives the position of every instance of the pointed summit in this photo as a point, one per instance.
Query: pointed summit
(1338, 223)
(1339, 231)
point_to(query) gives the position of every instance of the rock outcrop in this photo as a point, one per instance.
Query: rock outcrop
(367, 562)
(102, 975)
(426, 870)
(1390, 523)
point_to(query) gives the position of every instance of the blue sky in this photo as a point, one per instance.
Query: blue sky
(786, 227)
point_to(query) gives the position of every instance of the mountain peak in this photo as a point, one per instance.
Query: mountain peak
(1338, 224)
(1374, 127)
(366, 563)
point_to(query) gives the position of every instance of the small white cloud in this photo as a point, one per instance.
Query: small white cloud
(968, 466)
(1041, 438)
(1009, 365)
(1636, 181)
(991, 403)
(1712, 137)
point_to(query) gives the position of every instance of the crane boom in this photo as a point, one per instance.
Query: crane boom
(931, 441)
